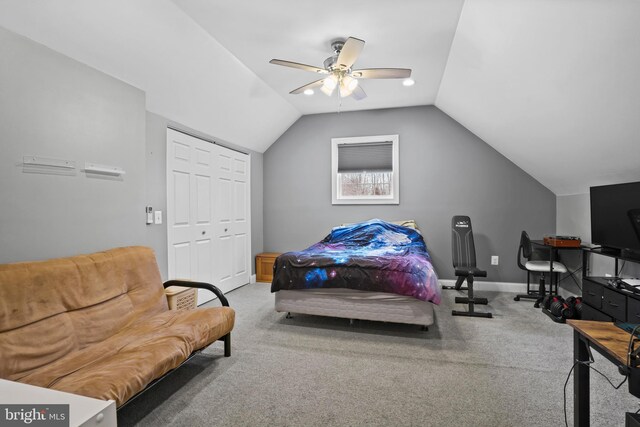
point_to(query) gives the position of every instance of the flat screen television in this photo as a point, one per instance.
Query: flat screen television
(615, 217)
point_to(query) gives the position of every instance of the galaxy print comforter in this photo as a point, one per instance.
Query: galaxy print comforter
(370, 256)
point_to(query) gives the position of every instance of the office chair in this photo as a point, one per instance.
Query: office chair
(539, 265)
(464, 263)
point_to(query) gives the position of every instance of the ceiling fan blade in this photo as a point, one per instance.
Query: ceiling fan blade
(358, 93)
(350, 52)
(299, 66)
(381, 73)
(311, 85)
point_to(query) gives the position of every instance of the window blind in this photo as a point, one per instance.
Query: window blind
(370, 157)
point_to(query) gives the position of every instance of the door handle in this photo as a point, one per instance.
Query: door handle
(613, 305)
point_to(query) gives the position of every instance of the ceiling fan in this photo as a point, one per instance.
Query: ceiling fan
(339, 73)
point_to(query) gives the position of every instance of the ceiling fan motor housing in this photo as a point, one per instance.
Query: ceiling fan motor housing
(331, 61)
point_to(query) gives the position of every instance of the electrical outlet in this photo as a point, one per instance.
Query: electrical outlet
(158, 217)
(494, 259)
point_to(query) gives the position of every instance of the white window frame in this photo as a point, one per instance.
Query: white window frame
(392, 199)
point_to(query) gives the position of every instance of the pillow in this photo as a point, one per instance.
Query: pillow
(411, 223)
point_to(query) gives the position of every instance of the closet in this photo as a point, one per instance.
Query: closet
(208, 213)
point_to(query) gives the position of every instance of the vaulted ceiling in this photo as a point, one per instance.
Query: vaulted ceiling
(414, 34)
(552, 85)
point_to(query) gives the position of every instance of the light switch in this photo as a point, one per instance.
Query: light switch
(158, 215)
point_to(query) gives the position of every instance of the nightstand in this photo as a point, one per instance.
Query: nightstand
(264, 266)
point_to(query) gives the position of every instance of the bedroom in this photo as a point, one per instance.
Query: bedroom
(518, 108)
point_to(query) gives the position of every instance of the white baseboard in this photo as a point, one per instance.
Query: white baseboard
(491, 286)
(252, 279)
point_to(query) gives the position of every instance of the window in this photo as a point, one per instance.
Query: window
(365, 170)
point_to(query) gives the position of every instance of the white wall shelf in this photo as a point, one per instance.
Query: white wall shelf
(103, 169)
(47, 165)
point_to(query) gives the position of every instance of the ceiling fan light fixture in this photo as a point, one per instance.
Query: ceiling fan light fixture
(347, 86)
(350, 83)
(327, 91)
(408, 82)
(330, 82)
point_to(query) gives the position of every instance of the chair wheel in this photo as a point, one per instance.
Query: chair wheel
(516, 298)
(536, 305)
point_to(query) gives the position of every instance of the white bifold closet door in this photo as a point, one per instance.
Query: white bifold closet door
(208, 213)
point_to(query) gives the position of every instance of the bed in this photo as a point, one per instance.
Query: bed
(373, 270)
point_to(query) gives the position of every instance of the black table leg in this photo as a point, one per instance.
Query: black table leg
(552, 257)
(580, 382)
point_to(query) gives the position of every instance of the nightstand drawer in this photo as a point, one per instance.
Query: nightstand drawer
(633, 310)
(614, 304)
(592, 293)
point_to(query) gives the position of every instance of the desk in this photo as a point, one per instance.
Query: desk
(553, 255)
(610, 341)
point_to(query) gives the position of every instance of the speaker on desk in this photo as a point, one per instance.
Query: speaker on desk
(631, 419)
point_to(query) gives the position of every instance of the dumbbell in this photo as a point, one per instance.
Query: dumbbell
(561, 308)
(569, 309)
(578, 308)
(555, 306)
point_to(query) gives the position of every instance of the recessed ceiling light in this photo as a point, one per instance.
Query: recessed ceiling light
(308, 92)
(408, 82)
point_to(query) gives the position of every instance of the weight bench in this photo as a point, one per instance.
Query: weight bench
(464, 263)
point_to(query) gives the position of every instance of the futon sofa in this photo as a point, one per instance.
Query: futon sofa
(99, 325)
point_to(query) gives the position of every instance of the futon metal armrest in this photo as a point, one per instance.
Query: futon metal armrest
(199, 285)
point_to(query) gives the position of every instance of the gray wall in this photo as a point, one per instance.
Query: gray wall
(53, 106)
(574, 216)
(156, 162)
(157, 193)
(444, 170)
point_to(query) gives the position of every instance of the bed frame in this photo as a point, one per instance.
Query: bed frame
(353, 304)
